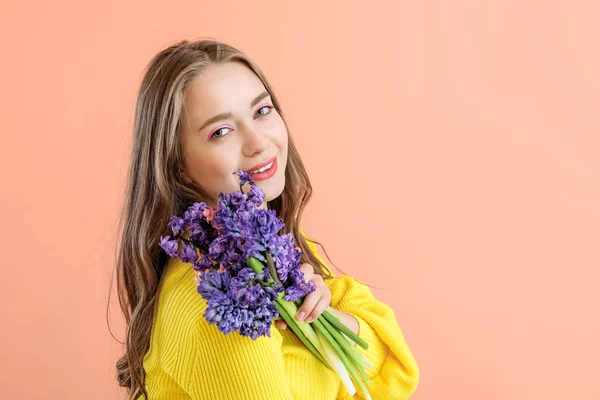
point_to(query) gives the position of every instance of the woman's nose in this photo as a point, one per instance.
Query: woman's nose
(255, 141)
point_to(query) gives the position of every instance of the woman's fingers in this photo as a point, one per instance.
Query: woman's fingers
(312, 298)
(321, 305)
(315, 302)
(310, 301)
(308, 271)
(281, 324)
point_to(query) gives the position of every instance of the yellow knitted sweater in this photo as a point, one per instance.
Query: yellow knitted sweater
(189, 358)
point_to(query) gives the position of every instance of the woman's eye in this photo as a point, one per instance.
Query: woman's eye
(216, 133)
(268, 108)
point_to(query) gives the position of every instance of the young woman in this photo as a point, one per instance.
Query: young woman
(205, 110)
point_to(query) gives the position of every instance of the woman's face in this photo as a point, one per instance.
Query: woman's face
(229, 124)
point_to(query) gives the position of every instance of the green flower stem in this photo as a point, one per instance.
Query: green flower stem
(333, 315)
(352, 365)
(347, 363)
(306, 328)
(335, 321)
(289, 320)
(291, 310)
(272, 269)
(351, 351)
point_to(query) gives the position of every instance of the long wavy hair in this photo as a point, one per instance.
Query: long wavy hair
(156, 190)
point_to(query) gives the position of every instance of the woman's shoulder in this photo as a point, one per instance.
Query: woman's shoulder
(179, 303)
(180, 322)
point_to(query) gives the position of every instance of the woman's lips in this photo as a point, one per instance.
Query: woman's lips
(261, 176)
(259, 166)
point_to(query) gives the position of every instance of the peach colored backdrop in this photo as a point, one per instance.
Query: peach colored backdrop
(453, 146)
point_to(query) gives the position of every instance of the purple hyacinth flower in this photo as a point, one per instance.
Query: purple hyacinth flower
(195, 212)
(255, 196)
(170, 246)
(204, 264)
(188, 254)
(177, 225)
(244, 177)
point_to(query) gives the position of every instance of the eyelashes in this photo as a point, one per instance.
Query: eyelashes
(267, 106)
(214, 134)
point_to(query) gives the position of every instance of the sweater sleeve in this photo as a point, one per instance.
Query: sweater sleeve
(208, 364)
(395, 374)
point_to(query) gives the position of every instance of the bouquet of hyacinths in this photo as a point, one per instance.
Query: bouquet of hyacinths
(250, 276)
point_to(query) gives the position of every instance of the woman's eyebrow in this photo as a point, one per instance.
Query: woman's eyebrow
(259, 98)
(226, 115)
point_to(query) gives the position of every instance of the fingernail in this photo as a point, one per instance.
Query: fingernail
(309, 319)
(300, 315)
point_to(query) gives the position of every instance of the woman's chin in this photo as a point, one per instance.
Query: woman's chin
(272, 189)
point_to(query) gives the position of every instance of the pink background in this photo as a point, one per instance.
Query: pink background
(453, 147)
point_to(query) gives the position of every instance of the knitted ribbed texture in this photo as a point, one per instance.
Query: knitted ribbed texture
(190, 358)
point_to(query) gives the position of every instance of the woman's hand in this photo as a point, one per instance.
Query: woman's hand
(315, 302)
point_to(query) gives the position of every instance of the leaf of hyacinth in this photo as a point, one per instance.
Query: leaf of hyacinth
(272, 269)
(255, 264)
